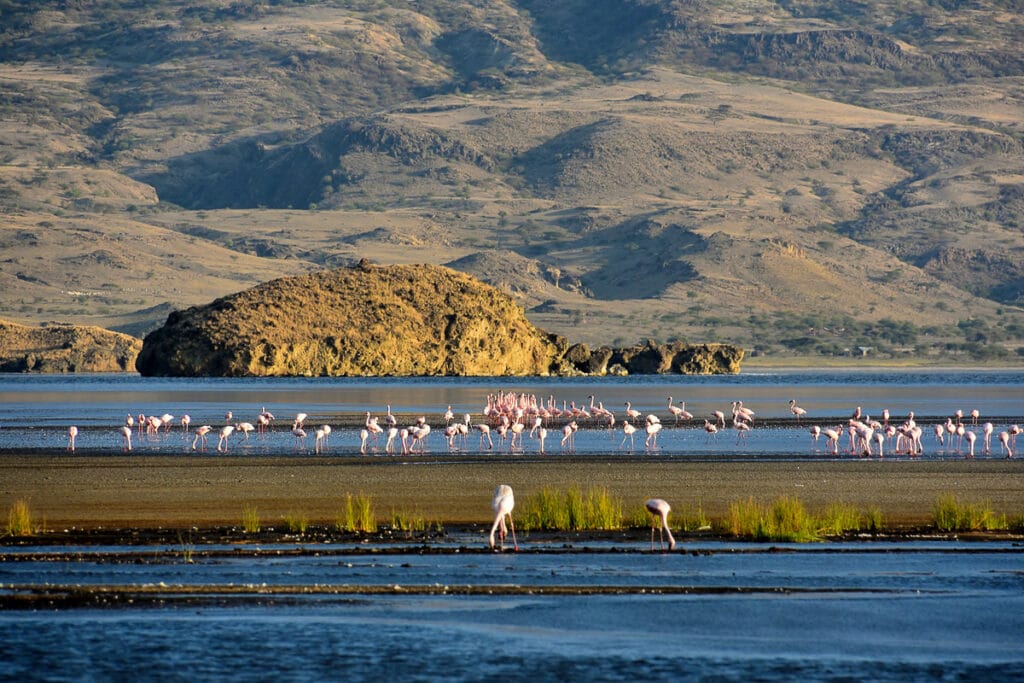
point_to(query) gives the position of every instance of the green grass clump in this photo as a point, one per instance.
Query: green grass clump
(296, 522)
(357, 515)
(785, 519)
(250, 519)
(571, 510)
(19, 519)
(950, 514)
(838, 518)
(873, 519)
(411, 522)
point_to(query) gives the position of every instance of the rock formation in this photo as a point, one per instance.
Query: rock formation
(400, 320)
(65, 348)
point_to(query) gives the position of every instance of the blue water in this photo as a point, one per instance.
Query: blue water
(878, 611)
(36, 410)
(854, 611)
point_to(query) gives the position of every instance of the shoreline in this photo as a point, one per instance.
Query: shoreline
(85, 494)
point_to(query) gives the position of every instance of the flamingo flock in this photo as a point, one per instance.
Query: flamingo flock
(521, 423)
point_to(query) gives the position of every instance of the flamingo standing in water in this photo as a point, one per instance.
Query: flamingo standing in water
(815, 433)
(502, 505)
(201, 433)
(628, 430)
(222, 443)
(986, 430)
(659, 510)
(1004, 444)
(631, 412)
(970, 436)
(72, 433)
(126, 437)
(711, 430)
(797, 411)
(185, 422)
(652, 429)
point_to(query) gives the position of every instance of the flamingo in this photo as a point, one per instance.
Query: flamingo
(318, 442)
(502, 505)
(485, 433)
(719, 418)
(677, 412)
(542, 434)
(652, 430)
(712, 431)
(741, 431)
(201, 433)
(167, 419)
(300, 420)
(363, 436)
(448, 416)
(222, 442)
(185, 422)
(327, 433)
(659, 509)
(389, 445)
(880, 440)
(833, 440)
(72, 433)
(975, 414)
(262, 423)
(1004, 444)
(970, 436)
(628, 430)
(245, 428)
(569, 436)
(796, 410)
(815, 433)
(300, 436)
(631, 412)
(126, 437)
(986, 430)
(129, 421)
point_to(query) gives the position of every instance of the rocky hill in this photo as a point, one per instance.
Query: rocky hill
(65, 348)
(389, 321)
(800, 178)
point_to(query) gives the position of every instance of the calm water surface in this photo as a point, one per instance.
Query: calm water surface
(861, 611)
(36, 410)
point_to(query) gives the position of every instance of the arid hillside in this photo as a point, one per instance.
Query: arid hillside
(809, 178)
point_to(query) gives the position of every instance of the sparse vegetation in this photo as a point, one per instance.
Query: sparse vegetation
(357, 514)
(19, 519)
(571, 510)
(951, 514)
(250, 519)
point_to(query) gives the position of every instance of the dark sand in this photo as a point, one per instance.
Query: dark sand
(89, 492)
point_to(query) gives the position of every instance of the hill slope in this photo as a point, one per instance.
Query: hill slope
(795, 177)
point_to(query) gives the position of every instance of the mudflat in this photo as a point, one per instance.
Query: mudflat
(132, 492)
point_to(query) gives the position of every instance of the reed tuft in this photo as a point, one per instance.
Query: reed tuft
(357, 514)
(19, 519)
(250, 519)
(950, 514)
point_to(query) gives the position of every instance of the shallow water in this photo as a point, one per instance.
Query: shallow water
(35, 410)
(907, 611)
(602, 611)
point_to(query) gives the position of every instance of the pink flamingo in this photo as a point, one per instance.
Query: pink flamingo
(201, 433)
(815, 433)
(970, 436)
(569, 436)
(502, 504)
(975, 414)
(659, 510)
(631, 412)
(300, 437)
(711, 431)
(389, 444)
(485, 433)
(797, 411)
(318, 442)
(185, 422)
(245, 428)
(222, 443)
(1004, 444)
(542, 434)
(72, 433)
(652, 429)
(832, 435)
(126, 438)
(628, 430)
(986, 430)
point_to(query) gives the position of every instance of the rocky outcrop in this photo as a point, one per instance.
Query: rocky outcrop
(411, 320)
(368, 320)
(652, 358)
(65, 348)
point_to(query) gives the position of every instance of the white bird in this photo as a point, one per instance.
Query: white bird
(659, 510)
(797, 411)
(126, 437)
(222, 443)
(201, 433)
(72, 434)
(502, 505)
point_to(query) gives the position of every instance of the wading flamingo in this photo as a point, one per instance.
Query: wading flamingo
(201, 433)
(659, 510)
(126, 438)
(502, 505)
(222, 442)
(72, 433)
(797, 411)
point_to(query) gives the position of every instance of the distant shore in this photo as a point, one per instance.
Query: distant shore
(171, 492)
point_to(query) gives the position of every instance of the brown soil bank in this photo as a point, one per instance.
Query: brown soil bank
(183, 492)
